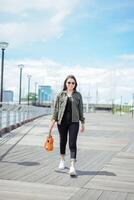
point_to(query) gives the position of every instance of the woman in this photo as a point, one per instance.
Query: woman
(68, 111)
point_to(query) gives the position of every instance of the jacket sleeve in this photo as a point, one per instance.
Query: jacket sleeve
(56, 109)
(82, 119)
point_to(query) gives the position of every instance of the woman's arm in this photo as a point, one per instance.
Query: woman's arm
(54, 116)
(82, 119)
(52, 123)
(56, 109)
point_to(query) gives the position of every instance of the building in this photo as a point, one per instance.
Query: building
(44, 94)
(8, 96)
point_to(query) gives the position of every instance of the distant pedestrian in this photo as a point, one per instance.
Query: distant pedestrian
(68, 111)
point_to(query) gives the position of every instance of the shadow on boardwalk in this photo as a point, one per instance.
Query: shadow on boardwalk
(89, 173)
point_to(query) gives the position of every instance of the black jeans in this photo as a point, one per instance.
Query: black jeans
(72, 129)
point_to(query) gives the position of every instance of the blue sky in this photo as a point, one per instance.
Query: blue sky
(73, 34)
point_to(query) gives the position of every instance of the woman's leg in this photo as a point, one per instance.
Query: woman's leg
(63, 130)
(73, 132)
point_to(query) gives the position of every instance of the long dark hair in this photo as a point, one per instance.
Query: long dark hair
(69, 76)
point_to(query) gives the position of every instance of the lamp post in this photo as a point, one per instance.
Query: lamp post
(21, 66)
(113, 107)
(29, 78)
(132, 105)
(35, 91)
(121, 106)
(3, 46)
(97, 97)
(42, 96)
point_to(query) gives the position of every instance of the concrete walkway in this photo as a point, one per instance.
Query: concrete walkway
(105, 162)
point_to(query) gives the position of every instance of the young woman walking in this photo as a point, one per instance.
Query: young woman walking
(68, 111)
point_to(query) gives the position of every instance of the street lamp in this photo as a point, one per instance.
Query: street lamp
(3, 46)
(121, 106)
(21, 66)
(29, 78)
(113, 107)
(132, 105)
(35, 91)
(42, 96)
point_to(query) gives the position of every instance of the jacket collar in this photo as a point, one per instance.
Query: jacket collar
(65, 92)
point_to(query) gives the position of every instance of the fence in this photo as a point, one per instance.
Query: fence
(12, 115)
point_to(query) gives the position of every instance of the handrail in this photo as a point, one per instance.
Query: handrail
(12, 113)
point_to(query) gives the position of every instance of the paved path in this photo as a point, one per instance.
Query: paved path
(105, 163)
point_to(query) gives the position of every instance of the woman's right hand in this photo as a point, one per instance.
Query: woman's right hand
(82, 127)
(51, 126)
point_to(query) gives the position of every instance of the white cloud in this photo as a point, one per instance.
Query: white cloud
(112, 83)
(30, 32)
(15, 6)
(34, 20)
(126, 57)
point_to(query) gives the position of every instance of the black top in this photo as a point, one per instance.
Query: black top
(67, 117)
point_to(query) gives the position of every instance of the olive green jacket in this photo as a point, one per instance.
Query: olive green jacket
(77, 107)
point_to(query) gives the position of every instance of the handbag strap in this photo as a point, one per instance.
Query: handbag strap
(50, 133)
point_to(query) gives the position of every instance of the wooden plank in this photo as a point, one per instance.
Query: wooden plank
(130, 196)
(85, 194)
(123, 168)
(105, 163)
(112, 185)
(109, 195)
(22, 190)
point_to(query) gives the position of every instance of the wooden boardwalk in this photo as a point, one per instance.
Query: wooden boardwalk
(105, 162)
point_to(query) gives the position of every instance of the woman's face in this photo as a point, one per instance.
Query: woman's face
(70, 84)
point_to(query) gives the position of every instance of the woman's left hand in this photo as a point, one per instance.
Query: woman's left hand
(82, 128)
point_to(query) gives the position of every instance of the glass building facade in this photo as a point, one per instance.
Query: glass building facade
(8, 96)
(44, 93)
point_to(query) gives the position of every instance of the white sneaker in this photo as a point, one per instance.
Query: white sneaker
(72, 171)
(62, 164)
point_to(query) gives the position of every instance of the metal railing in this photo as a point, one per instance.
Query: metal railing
(11, 114)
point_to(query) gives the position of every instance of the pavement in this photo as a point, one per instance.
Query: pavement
(105, 161)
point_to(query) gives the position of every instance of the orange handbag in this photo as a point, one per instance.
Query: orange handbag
(49, 143)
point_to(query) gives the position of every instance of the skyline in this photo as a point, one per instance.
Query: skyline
(91, 39)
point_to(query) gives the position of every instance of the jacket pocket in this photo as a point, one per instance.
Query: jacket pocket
(62, 101)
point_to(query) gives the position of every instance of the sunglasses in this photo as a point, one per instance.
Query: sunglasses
(73, 83)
